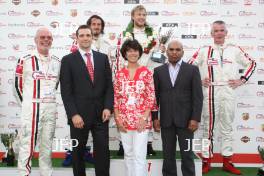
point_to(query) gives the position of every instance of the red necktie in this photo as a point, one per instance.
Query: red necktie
(89, 66)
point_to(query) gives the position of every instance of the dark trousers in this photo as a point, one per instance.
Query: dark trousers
(169, 140)
(100, 135)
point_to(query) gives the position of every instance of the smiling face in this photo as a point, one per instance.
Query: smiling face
(219, 33)
(132, 55)
(139, 18)
(84, 38)
(43, 40)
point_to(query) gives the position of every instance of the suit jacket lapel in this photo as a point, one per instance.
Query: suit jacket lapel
(167, 74)
(96, 65)
(82, 65)
(180, 73)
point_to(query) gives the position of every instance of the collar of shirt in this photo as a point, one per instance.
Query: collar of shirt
(178, 64)
(83, 54)
(174, 70)
(139, 30)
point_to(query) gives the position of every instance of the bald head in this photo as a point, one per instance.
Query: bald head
(43, 40)
(174, 51)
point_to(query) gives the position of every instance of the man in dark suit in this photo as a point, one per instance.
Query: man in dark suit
(87, 94)
(179, 95)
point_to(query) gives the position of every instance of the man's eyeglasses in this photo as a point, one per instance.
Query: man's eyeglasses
(175, 49)
(42, 37)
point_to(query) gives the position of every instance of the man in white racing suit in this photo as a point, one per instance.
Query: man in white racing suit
(219, 66)
(36, 79)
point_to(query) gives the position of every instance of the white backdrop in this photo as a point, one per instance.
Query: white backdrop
(191, 20)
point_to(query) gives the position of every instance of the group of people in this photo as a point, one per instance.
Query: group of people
(141, 93)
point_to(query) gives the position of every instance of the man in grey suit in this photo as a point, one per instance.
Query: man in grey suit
(179, 95)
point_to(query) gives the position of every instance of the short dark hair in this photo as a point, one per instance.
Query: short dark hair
(219, 22)
(131, 44)
(89, 22)
(84, 26)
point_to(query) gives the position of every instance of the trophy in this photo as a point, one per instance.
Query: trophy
(158, 56)
(261, 152)
(7, 140)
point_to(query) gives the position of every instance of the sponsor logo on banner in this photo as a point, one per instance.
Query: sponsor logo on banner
(230, 25)
(261, 2)
(35, 13)
(170, 25)
(112, 24)
(58, 36)
(31, 47)
(90, 13)
(260, 93)
(247, 48)
(16, 47)
(16, 2)
(2, 24)
(2, 93)
(170, 1)
(260, 82)
(30, 36)
(15, 36)
(207, 13)
(188, 13)
(13, 126)
(35, 1)
(244, 128)
(2, 70)
(3, 58)
(131, 1)
(205, 36)
(112, 36)
(15, 13)
(189, 2)
(245, 139)
(3, 13)
(33, 24)
(245, 116)
(189, 36)
(230, 36)
(126, 13)
(260, 71)
(244, 105)
(228, 2)
(261, 25)
(190, 48)
(53, 13)
(73, 12)
(150, 1)
(70, 24)
(260, 48)
(246, 36)
(57, 48)
(2, 115)
(16, 24)
(259, 139)
(2, 47)
(12, 58)
(112, 1)
(73, 1)
(2, 1)
(247, 2)
(54, 24)
(152, 13)
(168, 13)
(228, 14)
(246, 13)
(54, 2)
(209, 3)
(247, 26)
(13, 104)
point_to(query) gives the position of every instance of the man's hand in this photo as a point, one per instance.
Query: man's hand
(193, 125)
(156, 125)
(106, 115)
(77, 121)
(234, 83)
(206, 82)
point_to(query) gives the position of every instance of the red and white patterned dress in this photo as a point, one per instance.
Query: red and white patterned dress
(133, 97)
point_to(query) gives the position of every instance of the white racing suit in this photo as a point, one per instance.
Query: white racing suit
(36, 80)
(220, 64)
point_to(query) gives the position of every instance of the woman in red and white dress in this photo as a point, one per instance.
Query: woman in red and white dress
(134, 100)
